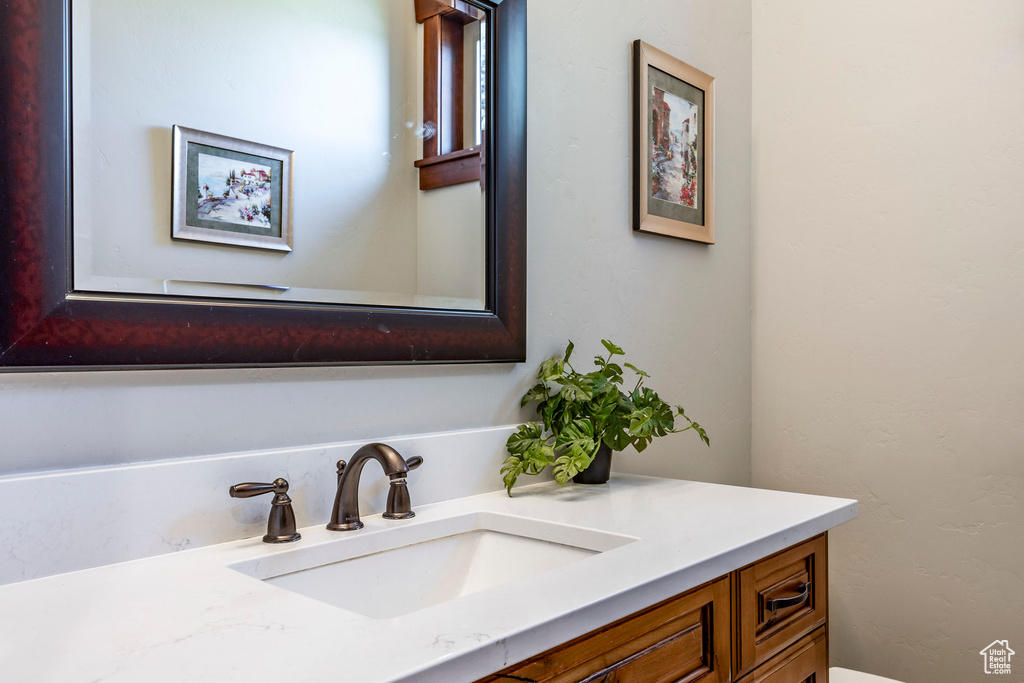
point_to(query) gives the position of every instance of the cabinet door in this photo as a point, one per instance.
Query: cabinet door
(804, 662)
(682, 640)
(780, 599)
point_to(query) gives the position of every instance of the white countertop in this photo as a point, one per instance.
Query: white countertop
(187, 616)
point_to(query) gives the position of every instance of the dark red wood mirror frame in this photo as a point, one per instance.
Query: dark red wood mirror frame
(46, 324)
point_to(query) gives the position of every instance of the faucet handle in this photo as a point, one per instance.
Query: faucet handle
(281, 524)
(248, 490)
(399, 505)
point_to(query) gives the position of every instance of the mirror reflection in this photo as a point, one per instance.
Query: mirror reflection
(381, 103)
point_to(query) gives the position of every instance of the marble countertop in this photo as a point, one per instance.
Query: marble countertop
(188, 616)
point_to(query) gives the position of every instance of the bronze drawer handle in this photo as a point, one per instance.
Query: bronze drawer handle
(781, 603)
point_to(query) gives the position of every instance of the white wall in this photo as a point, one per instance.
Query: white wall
(682, 310)
(888, 313)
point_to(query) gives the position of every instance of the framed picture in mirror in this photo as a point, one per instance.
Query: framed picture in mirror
(673, 146)
(230, 191)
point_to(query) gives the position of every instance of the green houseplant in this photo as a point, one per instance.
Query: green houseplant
(581, 413)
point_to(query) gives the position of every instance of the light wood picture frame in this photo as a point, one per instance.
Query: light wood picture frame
(673, 147)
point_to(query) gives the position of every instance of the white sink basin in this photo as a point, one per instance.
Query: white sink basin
(408, 567)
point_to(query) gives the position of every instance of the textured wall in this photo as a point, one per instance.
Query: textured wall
(888, 314)
(682, 310)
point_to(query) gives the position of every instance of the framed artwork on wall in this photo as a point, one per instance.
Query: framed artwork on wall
(231, 191)
(673, 146)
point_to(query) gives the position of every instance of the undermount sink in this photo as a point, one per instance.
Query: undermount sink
(390, 572)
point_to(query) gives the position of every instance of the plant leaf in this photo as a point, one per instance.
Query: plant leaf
(577, 446)
(694, 426)
(531, 446)
(543, 455)
(529, 453)
(568, 466)
(551, 369)
(701, 433)
(564, 470)
(603, 405)
(510, 471)
(599, 384)
(579, 388)
(616, 437)
(651, 418)
(525, 437)
(612, 348)
(637, 370)
(538, 393)
(568, 351)
(613, 372)
(577, 436)
(551, 412)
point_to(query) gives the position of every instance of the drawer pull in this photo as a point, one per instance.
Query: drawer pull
(776, 604)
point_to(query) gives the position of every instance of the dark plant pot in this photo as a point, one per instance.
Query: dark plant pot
(600, 469)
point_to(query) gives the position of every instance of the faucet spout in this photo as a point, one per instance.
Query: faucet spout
(345, 516)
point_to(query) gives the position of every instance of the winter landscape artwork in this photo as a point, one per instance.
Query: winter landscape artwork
(673, 149)
(231, 191)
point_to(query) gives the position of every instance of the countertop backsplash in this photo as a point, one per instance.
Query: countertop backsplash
(66, 520)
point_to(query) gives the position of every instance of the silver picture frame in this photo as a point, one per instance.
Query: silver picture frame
(230, 191)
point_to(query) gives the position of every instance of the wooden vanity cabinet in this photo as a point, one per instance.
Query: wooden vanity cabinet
(763, 623)
(805, 661)
(779, 599)
(685, 638)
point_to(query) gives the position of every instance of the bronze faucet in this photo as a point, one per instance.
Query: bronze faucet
(345, 516)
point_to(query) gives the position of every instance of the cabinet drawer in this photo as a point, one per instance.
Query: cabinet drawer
(779, 599)
(684, 639)
(804, 662)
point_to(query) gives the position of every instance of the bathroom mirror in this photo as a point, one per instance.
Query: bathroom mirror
(408, 237)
